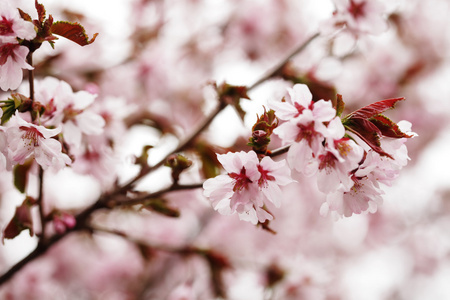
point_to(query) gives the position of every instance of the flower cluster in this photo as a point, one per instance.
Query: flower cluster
(63, 118)
(13, 30)
(348, 167)
(249, 185)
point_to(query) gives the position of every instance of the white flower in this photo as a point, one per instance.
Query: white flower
(341, 156)
(12, 26)
(363, 197)
(29, 140)
(247, 185)
(360, 16)
(12, 61)
(71, 111)
(304, 127)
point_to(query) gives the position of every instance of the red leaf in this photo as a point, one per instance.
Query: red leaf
(72, 31)
(40, 10)
(368, 132)
(25, 16)
(373, 109)
(387, 127)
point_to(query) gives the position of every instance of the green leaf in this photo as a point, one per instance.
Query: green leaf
(72, 31)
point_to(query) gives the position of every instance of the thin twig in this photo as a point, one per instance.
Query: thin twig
(40, 202)
(142, 198)
(275, 71)
(180, 147)
(279, 151)
(31, 75)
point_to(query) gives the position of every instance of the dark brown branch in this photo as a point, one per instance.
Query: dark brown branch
(142, 198)
(188, 141)
(279, 151)
(31, 75)
(40, 202)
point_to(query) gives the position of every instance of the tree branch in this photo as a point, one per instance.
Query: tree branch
(102, 203)
(275, 71)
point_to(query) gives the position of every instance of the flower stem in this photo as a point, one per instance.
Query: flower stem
(40, 203)
(31, 75)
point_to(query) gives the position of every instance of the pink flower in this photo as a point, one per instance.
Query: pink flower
(12, 26)
(247, 185)
(29, 140)
(12, 61)
(304, 127)
(363, 197)
(70, 110)
(360, 16)
(341, 156)
(273, 174)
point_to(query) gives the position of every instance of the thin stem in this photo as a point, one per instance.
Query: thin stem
(40, 202)
(275, 71)
(180, 147)
(141, 199)
(279, 151)
(31, 75)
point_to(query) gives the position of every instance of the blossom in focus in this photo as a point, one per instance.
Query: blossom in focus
(12, 61)
(340, 157)
(304, 127)
(365, 194)
(247, 185)
(29, 140)
(12, 26)
(12, 55)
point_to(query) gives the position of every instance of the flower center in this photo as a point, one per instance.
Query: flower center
(327, 162)
(241, 180)
(6, 51)
(343, 147)
(262, 181)
(357, 10)
(31, 134)
(6, 26)
(306, 132)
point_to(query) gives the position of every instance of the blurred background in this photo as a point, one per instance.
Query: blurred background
(152, 66)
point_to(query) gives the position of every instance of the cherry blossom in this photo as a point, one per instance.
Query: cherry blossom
(246, 186)
(360, 16)
(68, 109)
(12, 55)
(363, 197)
(12, 26)
(340, 157)
(29, 140)
(12, 61)
(304, 127)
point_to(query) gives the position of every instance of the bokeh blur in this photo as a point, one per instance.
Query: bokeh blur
(152, 66)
